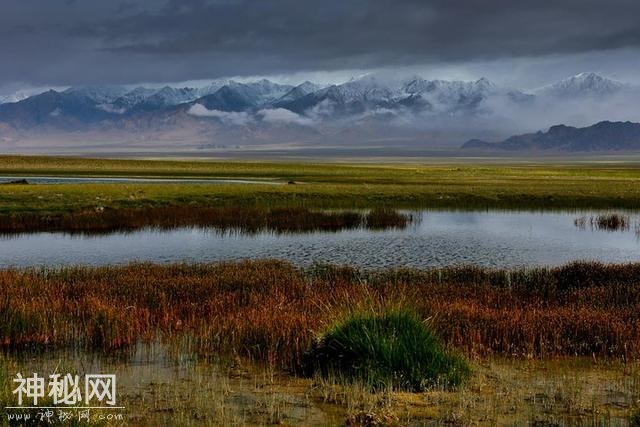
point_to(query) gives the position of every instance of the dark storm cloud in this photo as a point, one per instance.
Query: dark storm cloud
(96, 41)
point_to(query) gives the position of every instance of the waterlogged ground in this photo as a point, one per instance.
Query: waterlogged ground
(435, 238)
(155, 389)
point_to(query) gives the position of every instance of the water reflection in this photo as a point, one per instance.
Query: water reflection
(434, 238)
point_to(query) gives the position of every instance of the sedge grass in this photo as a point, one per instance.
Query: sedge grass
(394, 349)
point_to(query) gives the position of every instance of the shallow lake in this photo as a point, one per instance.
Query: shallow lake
(435, 238)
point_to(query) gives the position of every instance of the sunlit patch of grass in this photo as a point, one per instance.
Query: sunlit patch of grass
(330, 185)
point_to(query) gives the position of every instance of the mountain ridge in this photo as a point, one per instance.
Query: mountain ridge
(369, 108)
(600, 137)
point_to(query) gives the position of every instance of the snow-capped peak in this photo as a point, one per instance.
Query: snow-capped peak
(261, 91)
(211, 87)
(583, 84)
(367, 87)
(307, 87)
(299, 91)
(485, 84)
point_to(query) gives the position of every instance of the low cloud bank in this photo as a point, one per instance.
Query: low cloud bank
(276, 115)
(236, 118)
(281, 115)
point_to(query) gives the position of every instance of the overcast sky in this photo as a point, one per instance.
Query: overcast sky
(520, 43)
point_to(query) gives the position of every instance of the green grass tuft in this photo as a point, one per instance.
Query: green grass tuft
(395, 349)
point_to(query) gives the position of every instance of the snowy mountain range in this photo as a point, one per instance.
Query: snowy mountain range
(412, 110)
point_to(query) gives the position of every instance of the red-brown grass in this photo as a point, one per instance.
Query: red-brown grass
(271, 311)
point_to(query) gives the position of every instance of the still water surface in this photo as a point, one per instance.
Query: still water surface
(437, 238)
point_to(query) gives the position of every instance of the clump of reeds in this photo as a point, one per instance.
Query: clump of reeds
(381, 218)
(247, 219)
(608, 222)
(392, 350)
(611, 222)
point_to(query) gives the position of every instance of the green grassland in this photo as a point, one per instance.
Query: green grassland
(323, 185)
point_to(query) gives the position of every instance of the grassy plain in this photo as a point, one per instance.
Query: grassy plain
(455, 185)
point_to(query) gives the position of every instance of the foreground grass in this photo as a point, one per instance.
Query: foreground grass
(499, 392)
(394, 349)
(219, 344)
(322, 185)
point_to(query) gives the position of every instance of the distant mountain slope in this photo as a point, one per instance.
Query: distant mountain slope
(603, 136)
(299, 91)
(129, 100)
(165, 97)
(353, 97)
(68, 110)
(238, 97)
(227, 98)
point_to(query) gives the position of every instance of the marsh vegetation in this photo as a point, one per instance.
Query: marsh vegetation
(245, 219)
(391, 350)
(608, 222)
(273, 311)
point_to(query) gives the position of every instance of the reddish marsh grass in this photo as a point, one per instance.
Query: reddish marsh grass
(289, 219)
(271, 311)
